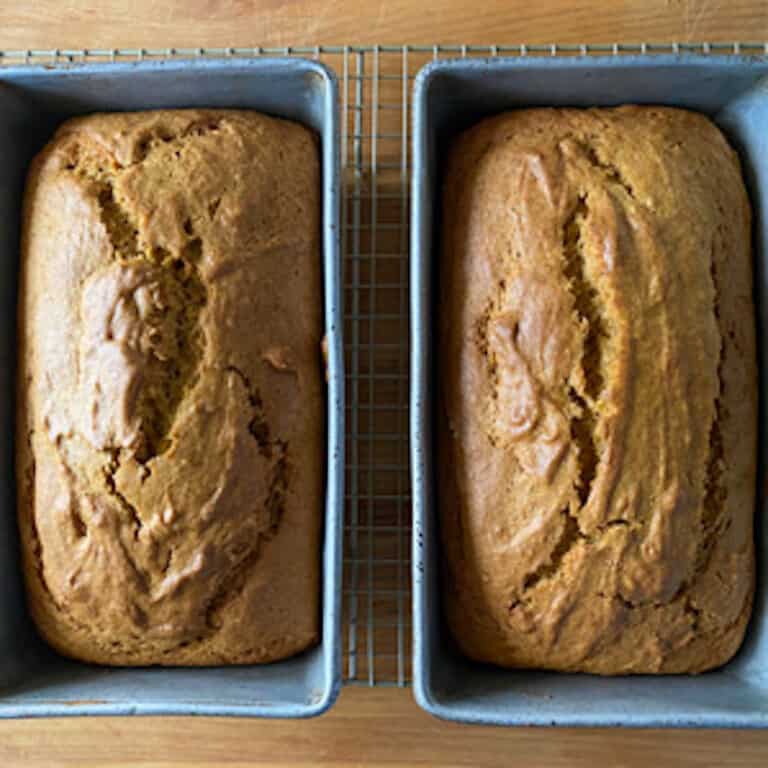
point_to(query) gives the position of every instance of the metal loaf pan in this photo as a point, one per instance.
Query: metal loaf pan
(34, 681)
(450, 96)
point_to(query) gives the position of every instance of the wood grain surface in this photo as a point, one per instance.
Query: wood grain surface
(371, 727)
(148, 23)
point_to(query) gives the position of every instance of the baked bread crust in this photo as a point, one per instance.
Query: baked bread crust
(171, 406)
(598, 392)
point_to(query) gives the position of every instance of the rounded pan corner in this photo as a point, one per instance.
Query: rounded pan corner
(423, 693)
(328, 698)
(322, 70)
(328, 83)
(425, 75)
(425, 699)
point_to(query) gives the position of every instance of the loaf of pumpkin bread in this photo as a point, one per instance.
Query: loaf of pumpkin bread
(170, 431)
(598, 407)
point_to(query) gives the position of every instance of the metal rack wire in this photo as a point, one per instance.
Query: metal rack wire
(375, 87)
(375, 92)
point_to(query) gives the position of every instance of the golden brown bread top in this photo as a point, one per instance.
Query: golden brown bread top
(598, 391)
(171, 401)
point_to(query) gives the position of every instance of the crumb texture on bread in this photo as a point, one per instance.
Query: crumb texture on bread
(170, 431)
(598, 392)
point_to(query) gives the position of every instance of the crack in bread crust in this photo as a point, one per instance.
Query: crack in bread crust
(586, 304)
(570, 535)
(258, 425)
(714, 492)
(585, 298)
(583, 422)
(610, 170)
(161, 136)
(171, 373)
(110, 469)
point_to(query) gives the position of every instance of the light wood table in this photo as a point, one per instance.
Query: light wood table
(373, 727)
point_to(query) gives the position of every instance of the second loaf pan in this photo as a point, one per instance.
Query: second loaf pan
(450, 96)
(34, 681)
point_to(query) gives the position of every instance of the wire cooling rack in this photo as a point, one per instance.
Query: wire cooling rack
(375, 88)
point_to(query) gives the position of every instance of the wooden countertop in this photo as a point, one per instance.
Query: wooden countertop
(372, 727)
(367, 727)
(149, 23)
